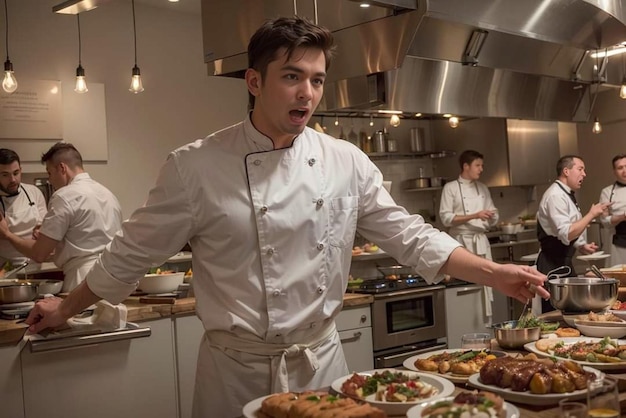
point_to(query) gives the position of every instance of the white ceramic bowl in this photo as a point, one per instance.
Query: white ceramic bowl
(161, 283)
(601, 331)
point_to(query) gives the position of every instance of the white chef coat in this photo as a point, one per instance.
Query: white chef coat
(22, 217)
(271, 233)
(616, 194)
(557, 212)
(83, 216)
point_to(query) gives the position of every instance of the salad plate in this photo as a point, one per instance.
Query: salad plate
(419, 410)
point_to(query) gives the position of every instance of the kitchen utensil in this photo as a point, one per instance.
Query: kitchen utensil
(508, 336)
(379, 141)
(595, 270)
(418, 141)
(13, 272)
(19, 292)
(436, 181)
(582, 294)
(47, 286)
(481, 341)
(161, 283)
(418, 183)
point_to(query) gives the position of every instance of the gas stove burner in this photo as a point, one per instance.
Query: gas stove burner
(389, 285)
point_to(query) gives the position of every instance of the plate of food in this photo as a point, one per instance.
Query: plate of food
(456, 365)
(314, 403)
(393, 391)
(534, 381)
(468, 404)
(599, 353)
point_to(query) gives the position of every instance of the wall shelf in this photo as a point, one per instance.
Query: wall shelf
(423, 189)
(409, 155)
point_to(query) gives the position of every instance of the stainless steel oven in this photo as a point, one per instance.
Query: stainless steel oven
(408, 318)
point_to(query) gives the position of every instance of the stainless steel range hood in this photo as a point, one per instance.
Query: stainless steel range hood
(501, 58)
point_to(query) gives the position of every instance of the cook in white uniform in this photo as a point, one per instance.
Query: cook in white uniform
(23, 206)
(467, 209)
(561, 228)
(82, 219)
(270, 209)
(615, 219)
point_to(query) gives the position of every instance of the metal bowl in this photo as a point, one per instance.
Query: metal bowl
(510, 337)
(582, 294)
(20, 292)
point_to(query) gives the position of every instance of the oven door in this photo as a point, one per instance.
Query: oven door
(408, 316)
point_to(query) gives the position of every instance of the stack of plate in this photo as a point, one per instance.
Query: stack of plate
(601, 329)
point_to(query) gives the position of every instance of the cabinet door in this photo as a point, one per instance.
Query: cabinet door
(189, 332)
(465, 313)
(358, 348)
(114, 379)
(11, 401)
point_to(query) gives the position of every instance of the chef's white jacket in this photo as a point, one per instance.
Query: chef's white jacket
(271, 233)
(557, 212)
(83, 216)
(22, 217)
(616, 194)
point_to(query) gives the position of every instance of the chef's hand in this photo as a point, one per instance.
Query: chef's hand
(485, 215)
(598, 209)
(36, 232)
(519, 282)
(590, 248)
(45, 314)
(4, 227)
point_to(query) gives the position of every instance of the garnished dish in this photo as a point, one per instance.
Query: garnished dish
(457, 365)
(531, 321)
(605, 350)
(392, 390)
(310, 405)
(467, 405)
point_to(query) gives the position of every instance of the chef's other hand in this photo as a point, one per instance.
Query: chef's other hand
(45, 314)
(4, 227)
(485, 215)
(590, 248)
(520, 282)
(36, 232)
(598, 209)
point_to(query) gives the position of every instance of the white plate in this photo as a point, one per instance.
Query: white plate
(456, 378)
(619, 313)
(444, 388)
(253, 408)
(416, 411)
(594, 256)
(601, 332)
(527, 397)
(17, 305)
(600, 366)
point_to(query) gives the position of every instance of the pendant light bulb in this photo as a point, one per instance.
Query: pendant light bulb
(9, 83)
(136, 86)
(371, 120)
(622, 89)
(81, 84)
(394, 121)
(597, 128)
(336, 120)
(453, 121)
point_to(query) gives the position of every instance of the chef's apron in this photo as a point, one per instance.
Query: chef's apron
(15, 220)
(554, 253)
(75, 270)
(233, 370)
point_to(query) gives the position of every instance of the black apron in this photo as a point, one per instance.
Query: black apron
(554, 253)
(619, 238)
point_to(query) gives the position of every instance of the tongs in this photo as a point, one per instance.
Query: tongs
(595, 270)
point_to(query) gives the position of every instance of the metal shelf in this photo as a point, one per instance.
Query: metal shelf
(409, 155)
(423, 189)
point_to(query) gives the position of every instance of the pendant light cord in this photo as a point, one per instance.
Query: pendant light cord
(79, 43)
(6, 20)
(134, 31)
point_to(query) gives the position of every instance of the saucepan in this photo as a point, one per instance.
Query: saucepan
(18, 292)
(582, 294)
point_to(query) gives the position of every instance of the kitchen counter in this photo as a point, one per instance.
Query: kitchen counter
(12, 332)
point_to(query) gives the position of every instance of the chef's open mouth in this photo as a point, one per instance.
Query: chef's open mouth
(298, 113)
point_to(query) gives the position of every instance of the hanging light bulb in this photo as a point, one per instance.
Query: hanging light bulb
(336, 120)
(453, 121)
(622, 89)
(136, 86)
(597, 128)
(394, 121)
(371, 120)
(81, 84)
(9, 83)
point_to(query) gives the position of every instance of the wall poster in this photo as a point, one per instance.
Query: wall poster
(33, 111)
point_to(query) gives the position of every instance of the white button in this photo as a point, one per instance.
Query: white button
(276, 293)
(321, 289)
(270, 251)
(312, 162)
(320, 246)
(313, 325)
(257, 162)
(263, 209)
(319, 202)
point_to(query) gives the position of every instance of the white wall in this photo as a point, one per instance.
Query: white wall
(180, 103)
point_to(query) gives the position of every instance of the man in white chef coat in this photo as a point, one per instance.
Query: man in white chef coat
(82, 219)
(23, 207)
(467, 209)
(270, 208)
(561, 228)
(615, 219)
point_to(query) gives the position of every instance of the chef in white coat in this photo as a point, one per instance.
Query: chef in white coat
(615, 219)
(82, 219)
(22, 205)
(270, 208)
(467, 209)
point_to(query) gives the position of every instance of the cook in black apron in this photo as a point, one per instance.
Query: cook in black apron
(619, 238)
(554, 253)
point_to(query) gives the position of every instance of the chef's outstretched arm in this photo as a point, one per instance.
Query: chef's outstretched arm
(516, 281)
(54, 312)
(37, 250)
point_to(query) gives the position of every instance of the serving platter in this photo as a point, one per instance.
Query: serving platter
(416, 411)
(530, 347)
(253, 408)
(527, 397)
(444, 388)
(595, 256)
(409, 363)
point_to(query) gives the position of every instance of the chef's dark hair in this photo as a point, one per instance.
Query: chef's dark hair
(615, 159)
(63, 152)
(7, 156)
(566, 161)
(468, 156)
(289, 33)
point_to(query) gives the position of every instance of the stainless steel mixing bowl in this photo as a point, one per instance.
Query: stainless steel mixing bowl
(582, 294)
(20, 292)
(510, 337)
